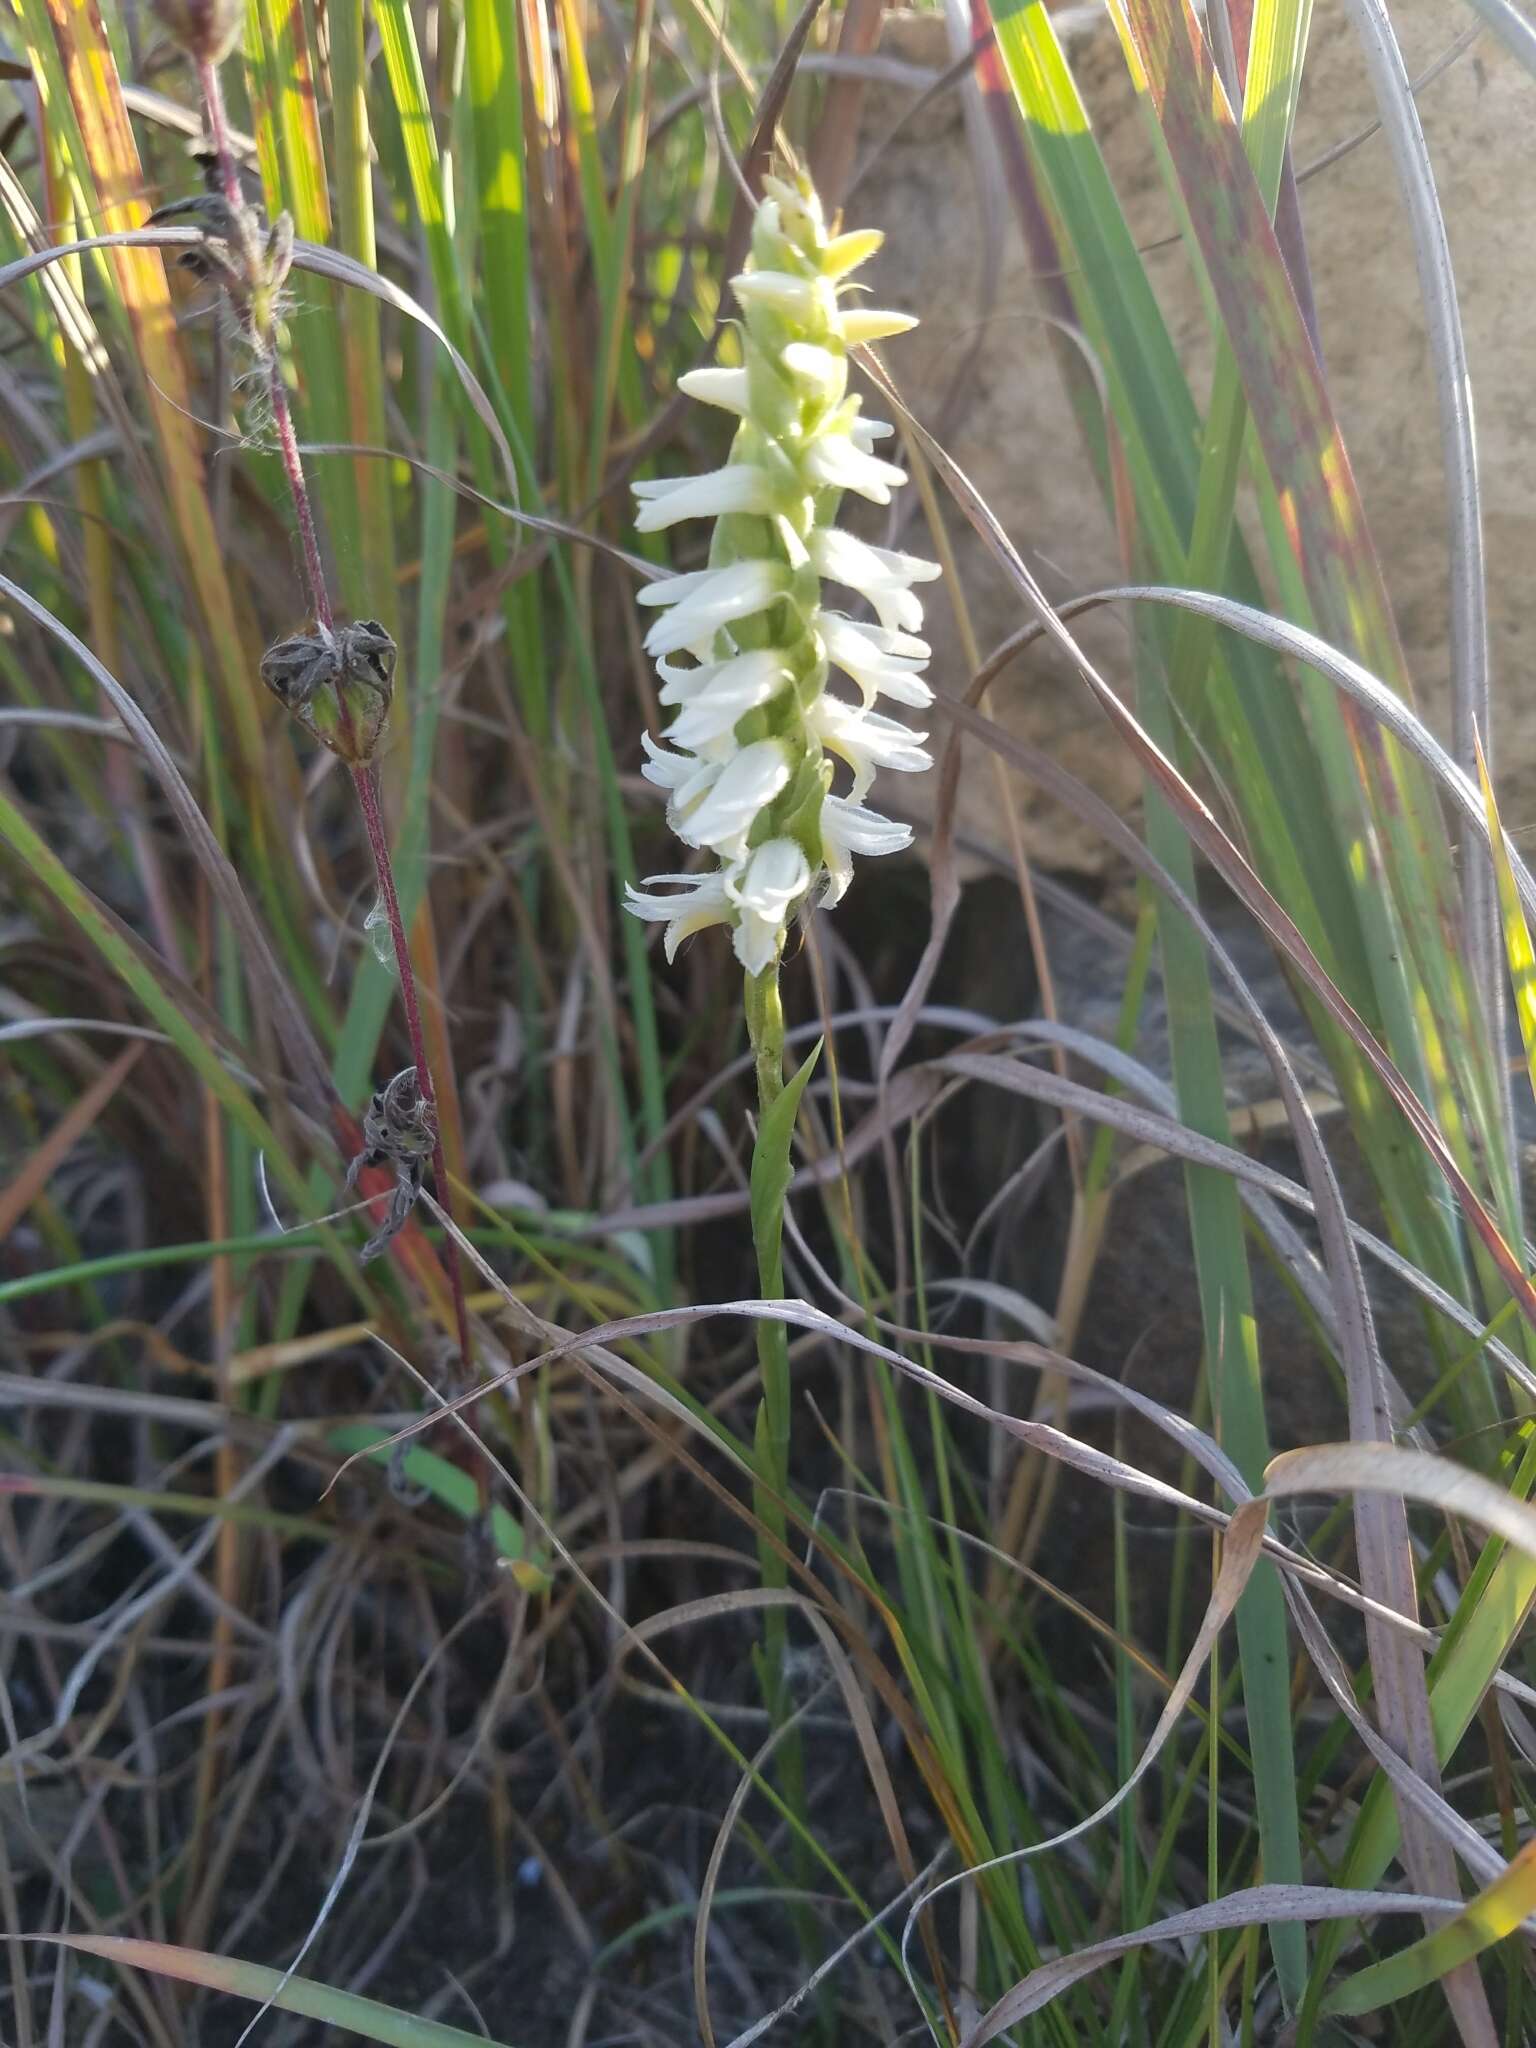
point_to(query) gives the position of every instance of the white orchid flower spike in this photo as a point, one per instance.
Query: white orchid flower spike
(758, 735)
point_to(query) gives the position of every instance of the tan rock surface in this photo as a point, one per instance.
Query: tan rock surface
(1012, 431)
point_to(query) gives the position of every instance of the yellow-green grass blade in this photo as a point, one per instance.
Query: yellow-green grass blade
(1156, 427)
(285, 108)
(423, 157)
(1518, 951)
(75, 68)
(364, 2017)
(413, 108)
(352, 179)
(615, 363)
(1354, 930)
(1496, 1913)
(1140, 368)
(1499, 1593)
(496, 206)
(1231, 1331)
(1306, 458)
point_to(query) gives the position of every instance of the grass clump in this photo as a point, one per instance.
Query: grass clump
(525, 1522)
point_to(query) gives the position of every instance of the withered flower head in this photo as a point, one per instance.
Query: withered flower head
(337, 685)
(207, 30)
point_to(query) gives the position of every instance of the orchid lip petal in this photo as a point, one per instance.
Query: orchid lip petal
(739, 487)
(718, 597)
(836, 462)
(731, 690)
(718, 385)
(727, 813)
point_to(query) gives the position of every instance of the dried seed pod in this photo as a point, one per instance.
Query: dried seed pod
(206, 30)
(399, 1132)
(337, 685)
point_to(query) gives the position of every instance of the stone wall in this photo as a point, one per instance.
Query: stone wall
(1010, 427)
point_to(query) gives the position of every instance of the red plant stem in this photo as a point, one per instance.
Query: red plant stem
(365, 782)
(298, 490)
(212, 89)
(363, 779)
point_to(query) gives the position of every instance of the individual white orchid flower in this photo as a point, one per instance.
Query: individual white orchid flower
(758, 738)
(700, 901)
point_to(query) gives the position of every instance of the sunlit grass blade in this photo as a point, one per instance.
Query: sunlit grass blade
(1494, 1915)
(68, 46)
(1519, 953)
(343, 2009)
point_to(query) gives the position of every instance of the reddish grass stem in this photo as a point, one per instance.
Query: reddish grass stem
(363, 779)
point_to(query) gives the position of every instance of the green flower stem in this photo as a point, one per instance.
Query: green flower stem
(770, 1181)
(765, 1026)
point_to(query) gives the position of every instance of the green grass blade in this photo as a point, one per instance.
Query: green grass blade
(344, 2009)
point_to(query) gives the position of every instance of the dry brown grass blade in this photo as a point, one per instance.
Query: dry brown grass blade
(831, 153)
(1260, 1905)
(18, 1195)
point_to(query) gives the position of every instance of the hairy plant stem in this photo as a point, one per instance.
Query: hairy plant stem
(765, 1028)
(364, 781)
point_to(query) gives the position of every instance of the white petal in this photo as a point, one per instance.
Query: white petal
(824, 372)
(673, 589)
(833, 461)
(775, 875)
(685, 779)
(727, 814)
(839, 869)
(866, 433)
(848, 829)
(797, 298)
(907, 644)
(890, 744)
(682, 891)
(700, 901)
(682, 685)
(711, 599)
(739, 487)
(756, 942)
(862, 653)
(765, 889)
(867, 741)
(718, 386)
(733, 688)
(863, 323)
(869, 571)
(861, 831)
(661, 766)
(913, 567)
